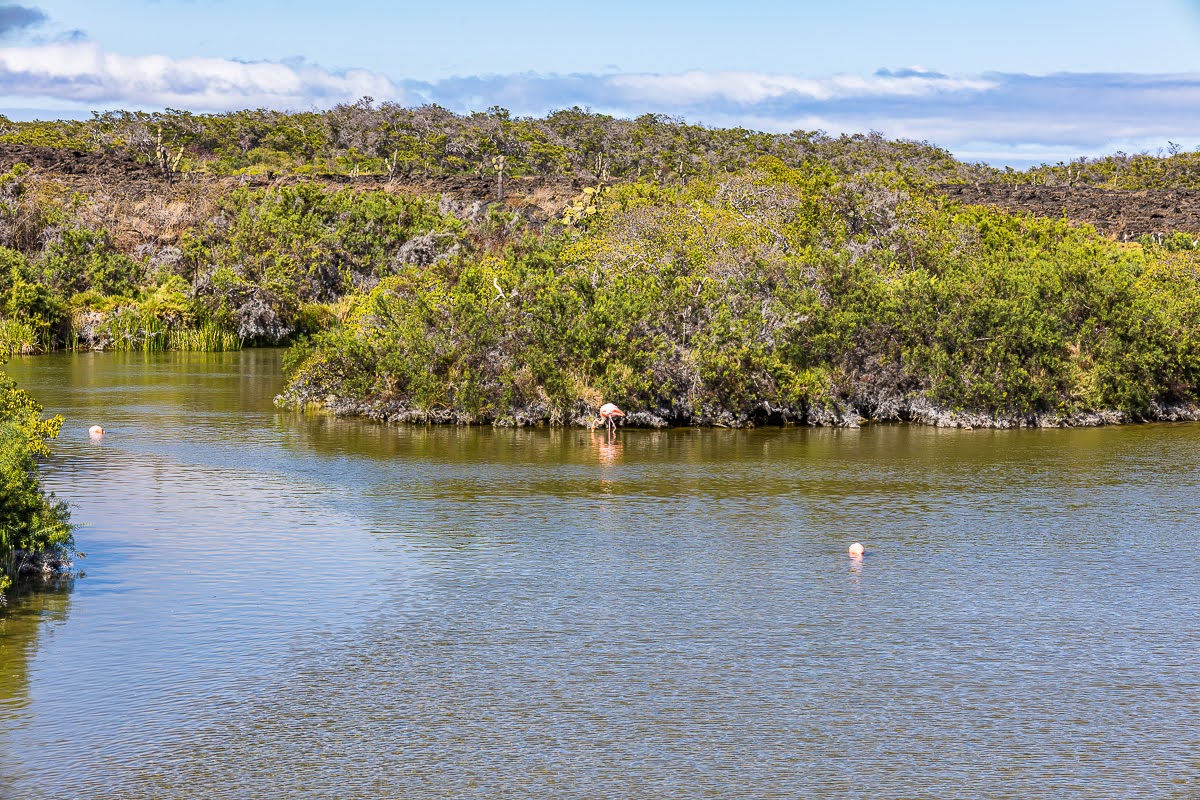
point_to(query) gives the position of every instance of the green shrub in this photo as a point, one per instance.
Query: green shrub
(33, 526)
(777, 287)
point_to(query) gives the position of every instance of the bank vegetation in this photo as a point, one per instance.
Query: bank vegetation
(692, 275)
(36, 537)
(773, 295)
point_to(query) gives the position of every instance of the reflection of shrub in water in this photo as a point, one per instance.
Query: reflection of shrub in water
(22, 623)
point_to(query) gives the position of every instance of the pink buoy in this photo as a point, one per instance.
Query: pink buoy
(96, 430)
(856, 550)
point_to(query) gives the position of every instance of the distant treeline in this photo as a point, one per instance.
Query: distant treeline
(431, 141)
(1171, 169)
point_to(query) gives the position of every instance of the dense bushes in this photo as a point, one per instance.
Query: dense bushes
(775, 294)
(254, 266)
(430, 141)
(267, 256)
(35, 532)
(1174, 169)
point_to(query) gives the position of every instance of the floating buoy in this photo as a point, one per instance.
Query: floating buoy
(96, 430)
(856, 550)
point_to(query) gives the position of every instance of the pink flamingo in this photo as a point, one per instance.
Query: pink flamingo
(608, 414)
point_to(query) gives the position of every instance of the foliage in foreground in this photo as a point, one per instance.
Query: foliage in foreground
(33, 526)
(774, 294)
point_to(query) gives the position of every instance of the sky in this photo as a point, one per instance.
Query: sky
(1016, 84)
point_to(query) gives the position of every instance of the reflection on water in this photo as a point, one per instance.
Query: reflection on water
(30, 615)
(313, 607)
(31, 619)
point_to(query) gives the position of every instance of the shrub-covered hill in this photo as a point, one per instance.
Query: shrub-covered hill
(776, 294)
(175, 230)
(210, 264)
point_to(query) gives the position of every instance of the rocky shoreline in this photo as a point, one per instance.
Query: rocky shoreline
(40, 570)
(915, 412)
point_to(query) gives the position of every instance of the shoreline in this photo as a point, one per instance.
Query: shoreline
(765, 414)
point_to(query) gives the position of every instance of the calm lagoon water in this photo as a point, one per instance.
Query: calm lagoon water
(289, 606)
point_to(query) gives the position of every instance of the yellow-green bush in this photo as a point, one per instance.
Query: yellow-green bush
(33, 526)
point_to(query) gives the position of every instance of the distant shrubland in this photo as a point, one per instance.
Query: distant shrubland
(430, 141)
(1172, 169)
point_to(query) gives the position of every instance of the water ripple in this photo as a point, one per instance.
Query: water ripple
(320, 608)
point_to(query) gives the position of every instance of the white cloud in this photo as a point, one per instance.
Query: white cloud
(83, 72)
(748, 88)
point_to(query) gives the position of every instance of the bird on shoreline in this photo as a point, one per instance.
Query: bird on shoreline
(608, 414)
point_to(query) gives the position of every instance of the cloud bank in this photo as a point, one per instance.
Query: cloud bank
(999, 117)
(81, 72)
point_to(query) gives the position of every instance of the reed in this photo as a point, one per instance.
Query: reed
(132, 331)
(17, 337)
(208, 338)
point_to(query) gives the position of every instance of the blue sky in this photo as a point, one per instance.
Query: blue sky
(1021, 83)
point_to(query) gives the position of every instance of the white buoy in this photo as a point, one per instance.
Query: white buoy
(856, 550)
(96, 431)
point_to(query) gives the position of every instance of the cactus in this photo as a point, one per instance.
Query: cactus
(585, 205)
(499, 163)
(168, 164)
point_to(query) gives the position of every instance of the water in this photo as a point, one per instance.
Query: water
(280, 605)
